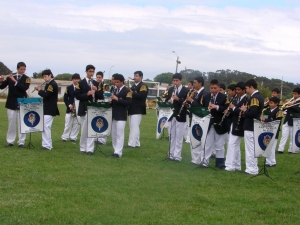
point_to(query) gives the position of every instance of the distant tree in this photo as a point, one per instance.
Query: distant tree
(3, 69)
(63, 76)
(164, 78)
(150, 85)
(38, 74)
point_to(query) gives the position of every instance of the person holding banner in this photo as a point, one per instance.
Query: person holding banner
(86, 92)
(217, 103)
(251, 112)
(137, 108)
(233, 156)
(275, 114)
(196, 102)
(50, 96)
(120, 101)
(71, 121)
(287, 126)
(176, 95)
(17, 83)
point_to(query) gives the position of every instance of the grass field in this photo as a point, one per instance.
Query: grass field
(63, 186)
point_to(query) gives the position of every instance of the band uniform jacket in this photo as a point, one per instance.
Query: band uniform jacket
(69, 96)
(50, 96)
(177, 104)
(275, 115)
(255, 107)
(198, 99)
(235, 117)
(82, 88)
(139, 98)
(120, 106)
(14, 92)
(216, 115)
(289, 114)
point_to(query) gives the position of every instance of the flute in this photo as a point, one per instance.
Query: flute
(40, 85)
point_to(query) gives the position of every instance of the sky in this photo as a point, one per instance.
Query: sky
(253, 36)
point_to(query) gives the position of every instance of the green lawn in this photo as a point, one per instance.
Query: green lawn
(63, 186)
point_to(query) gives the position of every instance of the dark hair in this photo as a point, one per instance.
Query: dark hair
(297, 90)
(191, 82)
(20, 64)
(221, 85)
(231, 87)
(214, 81)
(274, 99)
(240, 85)
(177, 76)
(75, 76)
(276, 90)
(251, 83)
(47, 72)
(88, 67)
(140, 73)
(99, 73)
(200, 80)
(119, 77)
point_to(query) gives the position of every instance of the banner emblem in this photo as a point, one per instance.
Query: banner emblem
(99, 124)
(31, 119)
(161, 124)
(264, 140)
(197, 132)
(297, 139)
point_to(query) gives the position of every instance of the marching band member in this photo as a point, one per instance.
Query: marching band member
(222, 88)
(71, 122)
(136, 109)
(190, 86)
(275, 114)
(176, 95)
(287, 126)
(217, 103)
(50, 96)
(86, 92)
(196, 102)
(233, 156)
(120, 101)
(17, 86)
(256, 105)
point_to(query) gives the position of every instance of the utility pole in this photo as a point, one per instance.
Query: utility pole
(281, 88)
(177, 61)
(109, 72)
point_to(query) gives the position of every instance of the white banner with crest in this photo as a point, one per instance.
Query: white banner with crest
(99, 121)
(32, 117)
(199, 129)
(296, 135)
(164, 114)
(264, 136)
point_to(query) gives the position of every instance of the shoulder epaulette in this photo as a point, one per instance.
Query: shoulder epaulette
(279, 114)
(50, 88)
(129, 94)
(143, 88)
(77, 86)
(28, 80)
(66, 91)
(227, 100)
(254, 102)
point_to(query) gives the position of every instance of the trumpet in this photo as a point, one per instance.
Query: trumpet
(73, 112)
(165, 94)
(266, 103)
(262, 116)
(190, 94)
(40, 85)
(285, 105)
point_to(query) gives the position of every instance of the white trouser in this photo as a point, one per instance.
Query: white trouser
(102, 140)
(86, 144)
(286, 132)
(215, 142)
(117, 131)
(14, 122)
(187, 129)
(134, 134)
(46, 135)
(176, 131)
(251, 161)
(196, 154)
(272, 160)
(233, 156)
(71, 128)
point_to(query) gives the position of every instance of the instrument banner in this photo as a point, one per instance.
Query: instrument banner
(31, 117)
(99, 121)
(264, 137)
(296, 135)
(199, 130)
(164, 114)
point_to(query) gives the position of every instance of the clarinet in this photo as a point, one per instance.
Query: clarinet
(227, 113)
(240, 115)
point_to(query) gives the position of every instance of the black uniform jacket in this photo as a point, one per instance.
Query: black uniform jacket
(197, 99)
(50, 95)
(14, 92)
(120, 106)
(289, 114)
(139, 97)
(216, 115)
(255, 107)
(81, 94)
(69, 97)
(177, 104)
(275, 115)
(235, 117)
